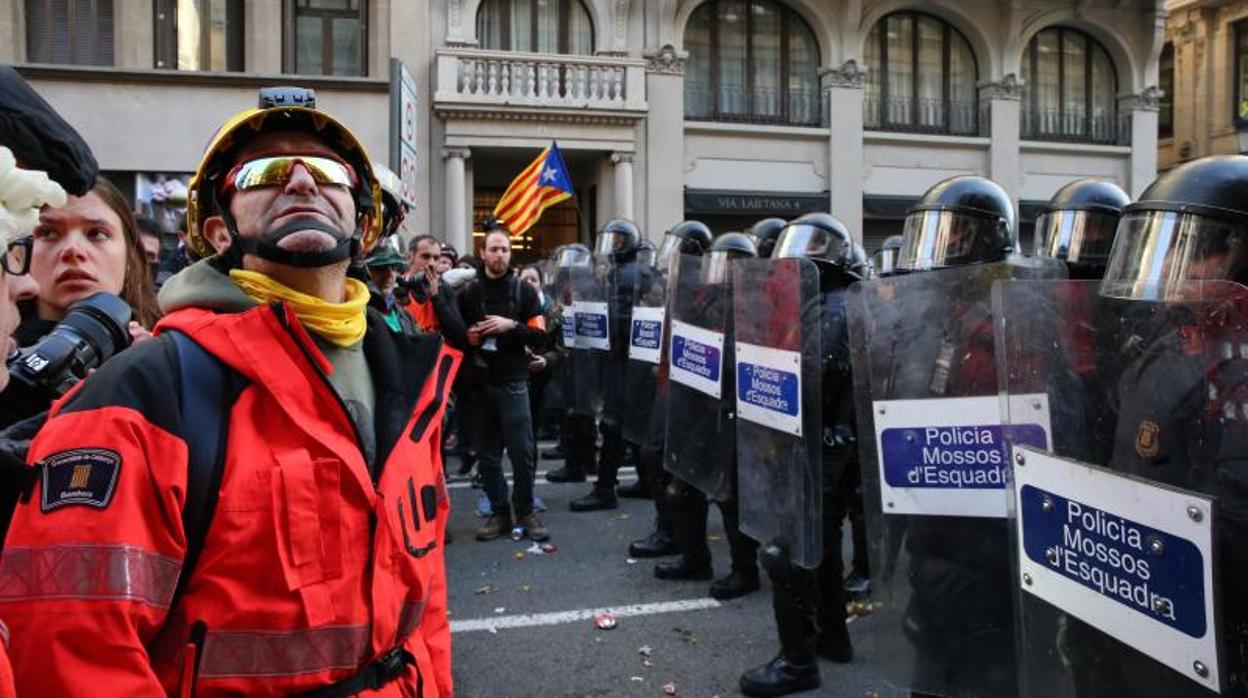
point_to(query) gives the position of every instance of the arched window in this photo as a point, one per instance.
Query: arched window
(921, 76)
(753, 61)
(535, 26)
(1069, 89)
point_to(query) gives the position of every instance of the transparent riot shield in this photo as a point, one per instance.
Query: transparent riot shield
(591, 337)
(560, 390)
(645, 351)
(934, 469)
(622, 279)
(776, 333)
(1129, 553)
(701, 433)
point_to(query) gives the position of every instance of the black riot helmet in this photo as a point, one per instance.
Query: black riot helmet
(825, 240)
(885, 258)
(647, 253)
(618, 240)
(1191, 224)
(726, 247)
(765, 233)
(689, 237)
(962, 220)
(1078, 226)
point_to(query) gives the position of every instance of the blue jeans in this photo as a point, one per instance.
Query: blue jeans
(505, 421)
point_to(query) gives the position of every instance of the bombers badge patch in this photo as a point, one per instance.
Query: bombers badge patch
(1147, 439)
(85, 476)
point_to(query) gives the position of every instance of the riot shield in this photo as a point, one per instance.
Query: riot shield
(934, 470)
(645, 350)
(701, 435)
(622, 279)
(591, 337)
(776, 334)
(1128, 535)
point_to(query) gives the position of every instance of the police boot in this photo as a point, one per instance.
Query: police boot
(793, 600)
(579, 443)
(661, 541)
(634, 490)
(658, 544)
(687, 508)
(744, 576)
(598, 499)
(780, 677)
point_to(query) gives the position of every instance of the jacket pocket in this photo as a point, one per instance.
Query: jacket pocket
(307, 510)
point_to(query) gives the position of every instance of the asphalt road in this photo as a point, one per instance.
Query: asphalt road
(523, 623)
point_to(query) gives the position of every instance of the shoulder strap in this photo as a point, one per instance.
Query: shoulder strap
(207, 388)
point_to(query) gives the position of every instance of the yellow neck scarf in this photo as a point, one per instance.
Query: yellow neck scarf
(341, 324)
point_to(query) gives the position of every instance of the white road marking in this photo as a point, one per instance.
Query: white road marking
(529, 620)
(459, 482)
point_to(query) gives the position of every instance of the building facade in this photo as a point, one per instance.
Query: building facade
(722, 110)
(1203, 72)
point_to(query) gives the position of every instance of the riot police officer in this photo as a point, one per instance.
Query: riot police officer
(1171, 359)
(576, 431)
(764, 235)
(1078, 226)
(701, 434)
(809, 604)
(927, 346)
(884, 261)
(686, 238)
(616, 252)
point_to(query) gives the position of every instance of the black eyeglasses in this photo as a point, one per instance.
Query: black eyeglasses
(16, 256)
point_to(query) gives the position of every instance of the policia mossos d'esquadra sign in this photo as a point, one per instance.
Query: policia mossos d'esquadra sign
(1129, 537)
(1132, 559)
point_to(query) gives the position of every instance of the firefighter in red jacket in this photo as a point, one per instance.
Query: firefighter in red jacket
(320, 570)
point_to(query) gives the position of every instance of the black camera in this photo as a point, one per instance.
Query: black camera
(94, 329)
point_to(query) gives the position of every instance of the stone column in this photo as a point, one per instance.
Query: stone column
(456, 232)
(665, 141)
(843, 97)
(623, 184)
(1001, 107)
(1139, 117)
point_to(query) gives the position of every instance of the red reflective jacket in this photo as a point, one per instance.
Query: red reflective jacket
(311, 566)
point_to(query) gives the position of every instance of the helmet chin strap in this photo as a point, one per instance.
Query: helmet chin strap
(239, 245)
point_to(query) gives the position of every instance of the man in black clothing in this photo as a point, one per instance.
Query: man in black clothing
(504, 318)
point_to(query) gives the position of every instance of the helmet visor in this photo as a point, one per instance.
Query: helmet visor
(1157, 251)
(572, 257)
(885, 261)
(1076, 237)
(646, 256)
(937, 239)
(668, 250)
(716, 266)
(810, 242)
(610, 243)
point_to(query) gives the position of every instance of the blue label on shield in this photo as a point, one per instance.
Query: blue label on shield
(947, 457)
(1151, 571)
(695, 357)
(592, 325)
(647, 334)
(768, 388)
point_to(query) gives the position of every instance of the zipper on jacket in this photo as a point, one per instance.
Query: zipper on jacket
(279, 310)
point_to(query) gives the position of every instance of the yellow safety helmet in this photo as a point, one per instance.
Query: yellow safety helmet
(281, 109)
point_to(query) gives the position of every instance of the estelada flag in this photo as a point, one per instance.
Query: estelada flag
(544, 183)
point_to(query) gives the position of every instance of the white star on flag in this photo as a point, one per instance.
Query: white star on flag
(548, 175)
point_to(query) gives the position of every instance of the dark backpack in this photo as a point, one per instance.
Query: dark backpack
(207, 390)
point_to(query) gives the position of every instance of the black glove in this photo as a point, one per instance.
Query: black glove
(40, 139)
